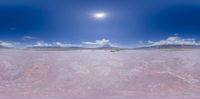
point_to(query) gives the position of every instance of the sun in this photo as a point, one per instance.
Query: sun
(100, 15)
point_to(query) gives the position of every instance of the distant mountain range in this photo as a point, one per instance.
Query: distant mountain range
(171, 46)
(51, 48)
(113, 49)
(4, 47)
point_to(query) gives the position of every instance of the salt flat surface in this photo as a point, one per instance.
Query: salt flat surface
(99, 74)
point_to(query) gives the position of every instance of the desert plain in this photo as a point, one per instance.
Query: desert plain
(100, 74)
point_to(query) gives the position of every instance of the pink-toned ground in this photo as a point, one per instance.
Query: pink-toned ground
(99, 74)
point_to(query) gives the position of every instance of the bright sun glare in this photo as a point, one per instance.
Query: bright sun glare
(100, 15)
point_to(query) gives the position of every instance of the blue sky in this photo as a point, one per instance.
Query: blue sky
(128, 22)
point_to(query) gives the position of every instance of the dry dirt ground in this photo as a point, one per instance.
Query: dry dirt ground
(99, 74)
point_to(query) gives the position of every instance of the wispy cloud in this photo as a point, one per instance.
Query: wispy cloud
(27, 38)
(175, 40)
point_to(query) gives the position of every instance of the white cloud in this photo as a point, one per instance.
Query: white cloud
(54, 44)
(175, 40)
(26, 38)
(59, 44)
(40, 44)
(99, 43)
(8, 44)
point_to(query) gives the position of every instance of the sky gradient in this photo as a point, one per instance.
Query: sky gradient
(128, 22)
